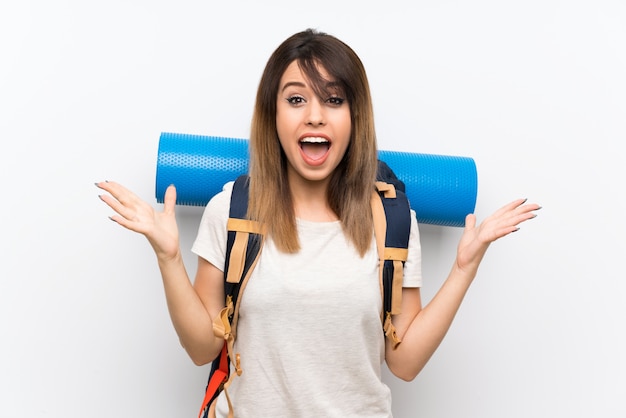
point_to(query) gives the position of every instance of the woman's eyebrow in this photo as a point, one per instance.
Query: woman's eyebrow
(293, 83)
(329, 85)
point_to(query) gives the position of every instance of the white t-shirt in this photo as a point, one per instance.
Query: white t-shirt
(309, 330)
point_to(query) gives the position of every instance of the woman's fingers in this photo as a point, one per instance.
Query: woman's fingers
(118, 207)
(138, 216)
(119, 192)
(132, 212)
(509, 217)
(476, 238)
(516, 212)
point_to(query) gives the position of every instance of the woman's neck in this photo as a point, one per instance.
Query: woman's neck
(310, 200)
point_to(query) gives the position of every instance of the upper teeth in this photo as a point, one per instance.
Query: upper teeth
(316, 140)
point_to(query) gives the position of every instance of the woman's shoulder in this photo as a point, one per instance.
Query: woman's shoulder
(222, 199)
(216, 210)
(210, 241)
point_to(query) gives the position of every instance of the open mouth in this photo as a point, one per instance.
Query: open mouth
(314, 147)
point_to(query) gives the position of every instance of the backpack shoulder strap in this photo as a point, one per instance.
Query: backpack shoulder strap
(243, 247)
(392, 226)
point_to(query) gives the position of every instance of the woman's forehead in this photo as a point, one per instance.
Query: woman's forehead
(316, 77)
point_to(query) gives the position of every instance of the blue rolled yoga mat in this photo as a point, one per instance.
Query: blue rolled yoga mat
(441, 189)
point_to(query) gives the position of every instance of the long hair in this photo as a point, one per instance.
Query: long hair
(352, 182)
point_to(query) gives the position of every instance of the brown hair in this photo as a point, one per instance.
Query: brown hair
(352, 182)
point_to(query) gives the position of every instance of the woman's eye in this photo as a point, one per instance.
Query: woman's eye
(337, 101)
(295, 100)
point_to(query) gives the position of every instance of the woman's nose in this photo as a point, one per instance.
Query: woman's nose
(315, 116)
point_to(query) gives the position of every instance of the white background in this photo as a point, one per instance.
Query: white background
(534, 91)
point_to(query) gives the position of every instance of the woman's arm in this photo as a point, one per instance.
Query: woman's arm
(191, 308)
(422, 330)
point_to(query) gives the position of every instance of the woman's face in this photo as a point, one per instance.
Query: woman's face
(313, 131)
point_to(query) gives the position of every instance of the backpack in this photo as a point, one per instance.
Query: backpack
(392, 224)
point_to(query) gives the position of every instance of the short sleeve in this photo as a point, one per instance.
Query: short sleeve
(210, 242)
(413, 265)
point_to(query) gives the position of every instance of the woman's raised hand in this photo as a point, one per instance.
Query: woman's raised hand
(132, 213)
(476, 239)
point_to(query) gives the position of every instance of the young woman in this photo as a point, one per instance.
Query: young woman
(309, 331)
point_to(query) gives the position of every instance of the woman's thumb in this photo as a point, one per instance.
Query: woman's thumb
(169, 200)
